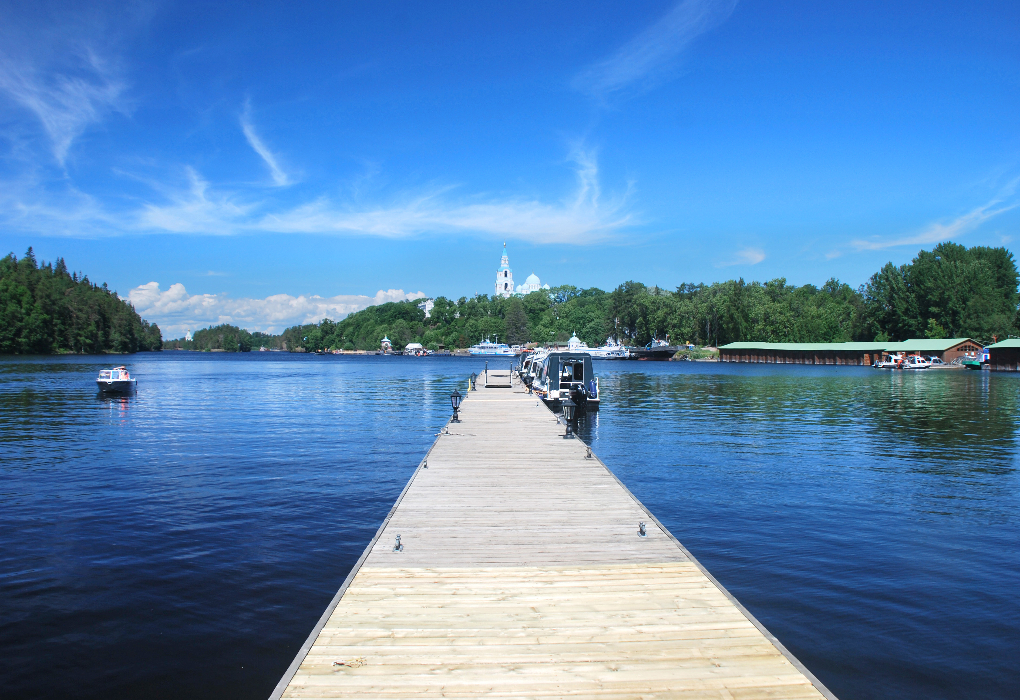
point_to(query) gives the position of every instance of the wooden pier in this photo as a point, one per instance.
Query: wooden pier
(521, 573)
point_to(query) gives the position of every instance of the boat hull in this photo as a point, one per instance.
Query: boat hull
(659, 354)
(116, 386)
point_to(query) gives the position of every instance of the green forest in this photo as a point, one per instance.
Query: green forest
(45, 309)
(950, 291)
(227, 338)
(233, 339)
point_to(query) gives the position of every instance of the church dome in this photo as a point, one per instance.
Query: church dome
(532, 279)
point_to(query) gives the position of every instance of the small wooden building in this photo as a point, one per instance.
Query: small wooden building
(1004, 356)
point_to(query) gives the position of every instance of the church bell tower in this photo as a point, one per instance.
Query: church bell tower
(504, 276)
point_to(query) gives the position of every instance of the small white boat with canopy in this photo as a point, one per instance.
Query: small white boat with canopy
(116, 381)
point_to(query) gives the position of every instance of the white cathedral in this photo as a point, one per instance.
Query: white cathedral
(505, 280)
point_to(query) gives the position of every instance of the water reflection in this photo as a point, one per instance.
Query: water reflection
(955, 419)
(116, 403)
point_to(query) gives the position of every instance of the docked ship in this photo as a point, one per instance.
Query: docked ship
(564, 375)
(499, 349)
(612, 350)
(655, 350)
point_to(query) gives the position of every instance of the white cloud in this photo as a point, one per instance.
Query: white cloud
(279, 177)
(745, 256)
(581, 217)
(197, 209)
(177, 311)
(943, 231)
(646, 58)
(66, 100)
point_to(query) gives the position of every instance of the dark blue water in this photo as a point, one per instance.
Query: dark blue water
(183, 542)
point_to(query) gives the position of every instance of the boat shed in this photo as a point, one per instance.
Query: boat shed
(1004, 356)
(948, 349)
(803, 353)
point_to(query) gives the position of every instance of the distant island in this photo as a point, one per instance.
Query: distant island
(950, 291)
(44, 309)
(230, 338)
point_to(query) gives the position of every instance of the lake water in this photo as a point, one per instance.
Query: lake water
(183, 542)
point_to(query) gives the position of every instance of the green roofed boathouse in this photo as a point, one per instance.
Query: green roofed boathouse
(948, 349)
(1004, 356)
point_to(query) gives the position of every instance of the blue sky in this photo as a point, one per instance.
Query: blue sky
(268, 164)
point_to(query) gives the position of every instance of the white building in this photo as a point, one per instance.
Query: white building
(532, 284)
(505, 280)
(504, 277)
(427, 307)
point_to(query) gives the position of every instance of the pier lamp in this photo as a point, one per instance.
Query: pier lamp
(569, 408)
(474, 379)
(455, 399)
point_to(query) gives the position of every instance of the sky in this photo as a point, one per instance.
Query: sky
(267, 164)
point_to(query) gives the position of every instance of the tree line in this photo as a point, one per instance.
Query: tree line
(45, 309)
(950, 291)
(227, 338)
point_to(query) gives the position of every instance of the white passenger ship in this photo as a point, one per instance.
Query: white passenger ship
(498, 349)
(612, 350)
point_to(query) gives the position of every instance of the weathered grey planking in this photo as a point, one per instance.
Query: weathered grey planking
(522, 575)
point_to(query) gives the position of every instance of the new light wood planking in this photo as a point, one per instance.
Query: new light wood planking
(522, 574)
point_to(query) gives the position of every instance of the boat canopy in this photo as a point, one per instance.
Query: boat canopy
(573, 368)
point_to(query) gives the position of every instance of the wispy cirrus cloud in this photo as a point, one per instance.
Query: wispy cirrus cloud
(745, 256)
(650, 56)
(68, 98)
(583, 216)
(944, 230)
(176, 311)
(198, 208)
(279, 177)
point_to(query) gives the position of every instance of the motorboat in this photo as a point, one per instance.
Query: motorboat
(116, 381)
(566, 375)
(497, 348)
(893, 362)
(531, 364)
(655, 350)
(612, 350)
(916, 362)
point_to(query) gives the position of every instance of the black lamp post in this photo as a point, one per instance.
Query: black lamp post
(474, 378)
(569, 407)
(455, 398)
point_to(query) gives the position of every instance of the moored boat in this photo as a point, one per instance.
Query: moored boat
(655, 350)
(116, 381)
(612, 350)
(916, 362)
(566, 375)
(497, 348)
(893, 362)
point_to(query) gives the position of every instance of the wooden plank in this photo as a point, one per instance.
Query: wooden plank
(522, 574)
